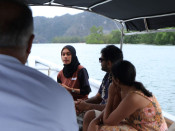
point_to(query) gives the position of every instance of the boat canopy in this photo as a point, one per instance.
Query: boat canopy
(138, 15)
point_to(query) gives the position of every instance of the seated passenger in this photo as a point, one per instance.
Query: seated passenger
(29, 100)
(133, 108)
(94, 105)
(74, 77)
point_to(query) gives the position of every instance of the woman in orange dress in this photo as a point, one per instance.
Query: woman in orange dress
(130, 105)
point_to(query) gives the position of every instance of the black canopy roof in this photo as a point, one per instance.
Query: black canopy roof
(136, 14)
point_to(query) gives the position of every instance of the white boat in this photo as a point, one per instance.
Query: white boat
(146, 16)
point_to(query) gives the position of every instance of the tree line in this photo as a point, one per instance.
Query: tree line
(97, 36)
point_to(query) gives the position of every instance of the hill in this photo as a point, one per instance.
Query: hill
(69, 25)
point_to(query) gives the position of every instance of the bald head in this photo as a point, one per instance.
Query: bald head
(16, 23)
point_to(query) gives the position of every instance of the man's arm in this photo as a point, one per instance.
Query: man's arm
(95, 99)
(91, 103)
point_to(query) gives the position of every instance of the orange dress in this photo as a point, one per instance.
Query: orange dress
(149, 118)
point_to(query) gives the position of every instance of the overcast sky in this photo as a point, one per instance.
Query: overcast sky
(48, 11)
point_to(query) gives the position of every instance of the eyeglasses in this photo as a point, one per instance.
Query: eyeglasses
(101, 60)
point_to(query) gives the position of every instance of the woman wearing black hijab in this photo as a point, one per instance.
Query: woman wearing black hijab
(73, 77)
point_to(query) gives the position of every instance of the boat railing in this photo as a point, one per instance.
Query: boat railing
(46, 69)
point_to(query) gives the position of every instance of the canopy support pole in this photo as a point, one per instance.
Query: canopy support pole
(146, 25)
(122, 36)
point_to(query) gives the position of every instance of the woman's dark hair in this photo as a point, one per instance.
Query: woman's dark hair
(126, 73)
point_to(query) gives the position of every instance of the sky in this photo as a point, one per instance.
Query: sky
(51, 12)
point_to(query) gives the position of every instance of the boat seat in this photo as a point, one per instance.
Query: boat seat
(169, 121)
(172, 127)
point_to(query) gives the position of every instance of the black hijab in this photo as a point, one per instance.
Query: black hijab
(69, 69)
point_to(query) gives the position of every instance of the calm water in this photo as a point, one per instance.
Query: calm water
(155, 66)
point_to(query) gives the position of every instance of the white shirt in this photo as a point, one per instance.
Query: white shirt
(31, 101)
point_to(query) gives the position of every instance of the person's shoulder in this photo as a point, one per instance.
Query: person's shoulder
(133, 96)
(80, 67)
(44, 84)
(137, 99)
(40, 77)
(60, 72)
(34, 72)
(82, 70)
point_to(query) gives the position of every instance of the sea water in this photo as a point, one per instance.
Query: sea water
(155, 65)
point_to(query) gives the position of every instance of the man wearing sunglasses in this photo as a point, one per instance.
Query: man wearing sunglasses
(94, 105)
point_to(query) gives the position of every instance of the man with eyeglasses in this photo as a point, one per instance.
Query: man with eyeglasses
(94, 105)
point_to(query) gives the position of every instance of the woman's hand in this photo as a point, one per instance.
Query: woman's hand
(65, 86)
(81, 105)
(94, 125)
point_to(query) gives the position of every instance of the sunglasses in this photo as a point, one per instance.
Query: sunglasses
(101, 60)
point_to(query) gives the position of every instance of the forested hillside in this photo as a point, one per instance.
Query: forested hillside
(69, 25)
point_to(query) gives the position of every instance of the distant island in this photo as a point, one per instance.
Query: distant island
(90, 28)
(70, 26)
